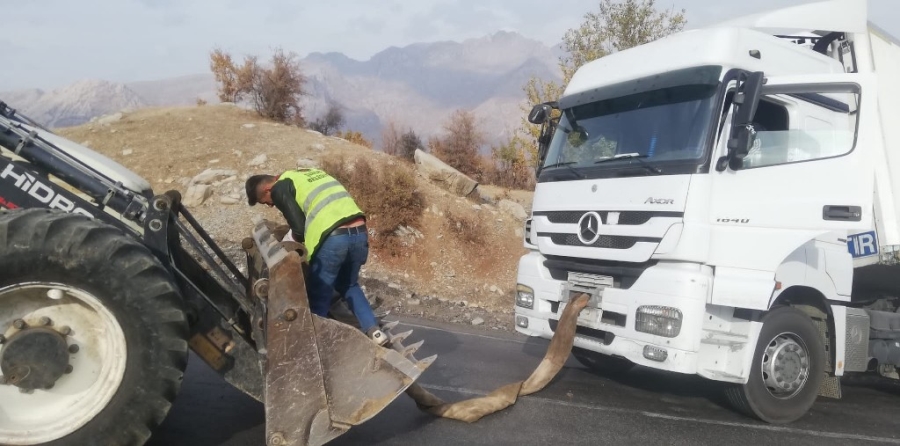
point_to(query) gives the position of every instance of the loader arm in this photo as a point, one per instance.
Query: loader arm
(317, 377)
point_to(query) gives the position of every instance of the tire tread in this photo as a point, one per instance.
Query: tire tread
(75, 241)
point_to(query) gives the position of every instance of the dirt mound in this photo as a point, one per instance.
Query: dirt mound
(457, 265)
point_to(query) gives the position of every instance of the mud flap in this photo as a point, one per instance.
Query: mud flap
(321, 376)
(474, 409)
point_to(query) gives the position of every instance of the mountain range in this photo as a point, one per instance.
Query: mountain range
(417, 87)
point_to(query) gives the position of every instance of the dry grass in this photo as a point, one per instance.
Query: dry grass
(466, 229)
(389, 196)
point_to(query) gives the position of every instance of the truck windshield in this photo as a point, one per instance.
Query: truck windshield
(657, 132)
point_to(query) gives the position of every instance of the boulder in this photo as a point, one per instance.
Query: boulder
(442, 174)
(258, 160)
(197, 194)
(210, 176)
(226, 180)
(230, 199)
(109, 119)
(307, 163)
(317, 147)
(513, 208)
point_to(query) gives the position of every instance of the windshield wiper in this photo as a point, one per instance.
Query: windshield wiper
(636, 156)
(568, 164)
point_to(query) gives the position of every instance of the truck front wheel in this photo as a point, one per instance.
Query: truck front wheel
(92, 333)
(788, 367)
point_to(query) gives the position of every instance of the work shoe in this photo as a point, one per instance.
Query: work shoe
(377, 336)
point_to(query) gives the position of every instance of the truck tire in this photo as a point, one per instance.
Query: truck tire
(603, 364)
(95, 333)
(788, 367)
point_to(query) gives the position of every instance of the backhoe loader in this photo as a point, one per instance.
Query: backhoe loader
(106, 285)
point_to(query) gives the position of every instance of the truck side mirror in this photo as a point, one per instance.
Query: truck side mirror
(543, 114)
(540, 113)
(742, 134)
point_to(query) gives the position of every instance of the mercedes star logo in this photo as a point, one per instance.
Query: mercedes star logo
(589, 228)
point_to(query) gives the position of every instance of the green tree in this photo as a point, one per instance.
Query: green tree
(409, 143)
(331, 122)
(616, 26)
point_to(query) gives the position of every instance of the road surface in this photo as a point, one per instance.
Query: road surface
(643, 408)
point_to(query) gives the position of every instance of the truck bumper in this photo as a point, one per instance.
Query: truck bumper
(608, 325)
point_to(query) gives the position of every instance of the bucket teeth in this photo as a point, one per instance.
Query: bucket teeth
(390, 325)
(409, 351)
(399, 337)
(424, 363)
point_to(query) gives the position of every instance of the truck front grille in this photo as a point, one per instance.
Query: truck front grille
(630, 218)
(605, 241)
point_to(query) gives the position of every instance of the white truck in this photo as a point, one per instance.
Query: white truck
(728, 197)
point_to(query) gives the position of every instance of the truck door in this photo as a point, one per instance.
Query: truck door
(808, 171)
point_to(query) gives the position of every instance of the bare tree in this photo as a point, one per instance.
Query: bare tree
(274, 91)
(390, 139)
(459, 147)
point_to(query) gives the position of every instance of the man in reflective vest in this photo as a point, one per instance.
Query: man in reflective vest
(323, 216)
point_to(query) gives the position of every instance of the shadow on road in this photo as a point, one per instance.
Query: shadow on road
(638, 384)
(209, 411)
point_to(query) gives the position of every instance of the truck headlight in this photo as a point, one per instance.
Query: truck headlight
(657, 320)
(524, 296)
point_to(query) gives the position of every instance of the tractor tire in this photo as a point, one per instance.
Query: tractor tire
(788, 367)
(600, 363)
(95, 332)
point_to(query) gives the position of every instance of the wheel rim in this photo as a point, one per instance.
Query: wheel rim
(785, 365)
(97, 363)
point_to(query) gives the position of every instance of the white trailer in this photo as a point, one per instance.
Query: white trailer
(727, 197)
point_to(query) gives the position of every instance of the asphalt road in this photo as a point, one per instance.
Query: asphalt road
(579, 407)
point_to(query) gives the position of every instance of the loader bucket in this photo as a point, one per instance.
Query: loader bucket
(321, 376)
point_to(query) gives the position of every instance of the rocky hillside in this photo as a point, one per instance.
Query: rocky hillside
(457, 265)
(417, 86)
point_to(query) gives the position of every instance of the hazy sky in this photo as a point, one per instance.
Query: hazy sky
(49, 43)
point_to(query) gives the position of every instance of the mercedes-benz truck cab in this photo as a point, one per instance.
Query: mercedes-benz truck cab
(712, 192)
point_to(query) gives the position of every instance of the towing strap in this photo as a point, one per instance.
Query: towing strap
(473, 409)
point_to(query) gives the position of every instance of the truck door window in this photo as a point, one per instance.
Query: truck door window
(802, 127)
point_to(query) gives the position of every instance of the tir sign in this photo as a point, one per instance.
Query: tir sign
(863, 245)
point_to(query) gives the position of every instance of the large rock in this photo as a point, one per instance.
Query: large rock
(513, 208)
(441, 173)
(210, 176)
(230, 199)
(109, 119)
(259, 160)
(197, 194)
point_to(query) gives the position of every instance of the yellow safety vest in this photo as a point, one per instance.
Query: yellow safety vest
(324, 201)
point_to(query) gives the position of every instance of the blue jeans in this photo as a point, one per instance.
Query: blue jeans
(335, 267)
